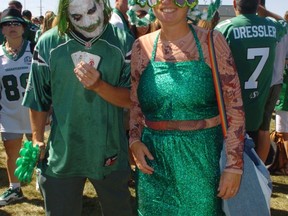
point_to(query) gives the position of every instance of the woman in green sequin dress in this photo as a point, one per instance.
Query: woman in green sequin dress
(175, 132)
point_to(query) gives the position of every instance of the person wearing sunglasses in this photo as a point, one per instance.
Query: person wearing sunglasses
(30, 29)
(175, 132)
(16, 57)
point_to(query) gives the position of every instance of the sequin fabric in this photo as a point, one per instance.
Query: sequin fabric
(186, 163)
(186, 174)
(183, 50)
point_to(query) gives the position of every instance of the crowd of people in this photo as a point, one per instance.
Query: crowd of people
(131, 87)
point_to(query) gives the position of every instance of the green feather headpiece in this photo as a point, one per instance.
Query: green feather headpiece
(193, 14)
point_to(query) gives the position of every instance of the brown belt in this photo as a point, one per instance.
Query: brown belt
(183, 125)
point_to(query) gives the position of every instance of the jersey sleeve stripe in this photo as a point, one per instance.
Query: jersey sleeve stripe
(37, 59)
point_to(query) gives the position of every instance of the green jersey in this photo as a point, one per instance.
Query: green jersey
(30, 31)
(252, 40)
(87, 136)
(118, 20)
(282, 103)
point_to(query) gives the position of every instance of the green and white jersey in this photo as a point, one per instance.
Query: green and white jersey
(14, 72)
(252, 40)
(87, 136)
(117, 19)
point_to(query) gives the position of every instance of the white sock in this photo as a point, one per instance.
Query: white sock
(15, 185)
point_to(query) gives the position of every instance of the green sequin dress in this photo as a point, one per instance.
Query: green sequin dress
(186, 163)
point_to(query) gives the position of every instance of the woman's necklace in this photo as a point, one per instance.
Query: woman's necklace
(14, 51)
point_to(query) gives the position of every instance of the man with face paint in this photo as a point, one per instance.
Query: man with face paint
(82, 67)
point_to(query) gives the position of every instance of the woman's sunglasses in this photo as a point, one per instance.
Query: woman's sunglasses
(11, 24)
(179, 3)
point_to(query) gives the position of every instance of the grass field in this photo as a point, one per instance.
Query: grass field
(32, 204)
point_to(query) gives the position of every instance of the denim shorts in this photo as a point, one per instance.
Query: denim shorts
(12, 136)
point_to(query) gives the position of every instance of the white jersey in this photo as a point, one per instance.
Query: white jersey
(116, 20)
(14, 118)
(280, 55)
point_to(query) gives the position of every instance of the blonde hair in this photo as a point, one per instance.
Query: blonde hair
(209, 24)
(155, 25)
(48, 20)
(286, 16)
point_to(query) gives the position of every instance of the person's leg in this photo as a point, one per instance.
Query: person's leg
(254, 136)
(62, 196)
(263, 143)
(28, 136)
(285, 137)
(12, 148)
(12, 143)
(281, 124)
(113, 193)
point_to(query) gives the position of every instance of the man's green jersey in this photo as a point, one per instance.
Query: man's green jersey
(87, 136)
(252, 40)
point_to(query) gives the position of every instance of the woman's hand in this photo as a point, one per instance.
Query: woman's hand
(88, 76)
(140, 151)
(229, 185)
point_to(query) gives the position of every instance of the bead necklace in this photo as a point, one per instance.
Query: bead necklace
(14, 51)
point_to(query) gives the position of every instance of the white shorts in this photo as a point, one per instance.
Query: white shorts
(281, 122)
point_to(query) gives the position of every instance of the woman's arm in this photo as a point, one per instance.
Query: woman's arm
(233, 104)
(139, 150)
(139, 61)
(231, 177)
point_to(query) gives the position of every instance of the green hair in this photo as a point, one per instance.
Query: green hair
(63, 21)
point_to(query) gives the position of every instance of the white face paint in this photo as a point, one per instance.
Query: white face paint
(87, 16)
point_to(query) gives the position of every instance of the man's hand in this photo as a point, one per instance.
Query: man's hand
(88, 76)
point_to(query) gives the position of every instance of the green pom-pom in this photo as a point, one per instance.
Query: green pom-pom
(23, 152)
(19, 161)
(18, 170)
(26, 163)
(28, 145)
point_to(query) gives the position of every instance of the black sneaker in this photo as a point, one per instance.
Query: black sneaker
(11, 195)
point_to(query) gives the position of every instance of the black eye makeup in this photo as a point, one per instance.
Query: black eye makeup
(92, 10)
(76, 17)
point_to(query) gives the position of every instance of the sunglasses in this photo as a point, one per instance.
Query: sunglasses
(11, 24)
(179, 3)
